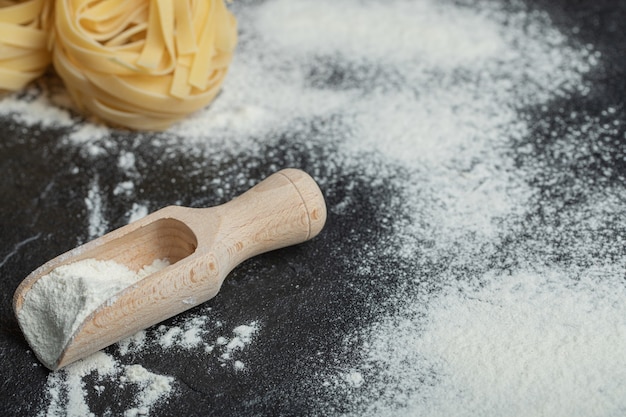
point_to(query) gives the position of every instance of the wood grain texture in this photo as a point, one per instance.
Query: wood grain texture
(202, 245)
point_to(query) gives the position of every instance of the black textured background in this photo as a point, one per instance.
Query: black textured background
(313, 297)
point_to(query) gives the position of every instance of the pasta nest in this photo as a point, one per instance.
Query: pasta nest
(24, 53)
(143, 64)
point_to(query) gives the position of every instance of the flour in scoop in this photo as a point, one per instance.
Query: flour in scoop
(59, 302)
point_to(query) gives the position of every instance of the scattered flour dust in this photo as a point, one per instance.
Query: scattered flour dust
(137, 211)
(527, 343)
(152, 388)
(67, 389)
(98, 224)
(196, 333)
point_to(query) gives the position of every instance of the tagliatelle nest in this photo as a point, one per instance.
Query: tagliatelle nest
(143, 64)
(24, 55)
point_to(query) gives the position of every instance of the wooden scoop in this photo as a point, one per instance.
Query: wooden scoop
(202, 245)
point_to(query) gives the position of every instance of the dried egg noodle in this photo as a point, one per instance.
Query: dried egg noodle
(24, 54)
(143, 64)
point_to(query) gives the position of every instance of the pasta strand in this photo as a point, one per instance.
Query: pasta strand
(24, 54)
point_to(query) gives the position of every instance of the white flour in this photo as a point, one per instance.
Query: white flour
(68, 391)
(530, 343)
(195, 333)
(59, 302)
(510, 299)
(242, 337)
(152, 388)
(93, 202)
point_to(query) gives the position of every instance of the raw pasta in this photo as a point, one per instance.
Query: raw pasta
(143, 64)
(24, 53)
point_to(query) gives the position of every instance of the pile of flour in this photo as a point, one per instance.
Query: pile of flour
(58, 302)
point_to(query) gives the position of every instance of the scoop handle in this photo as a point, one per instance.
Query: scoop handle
(285, 209)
